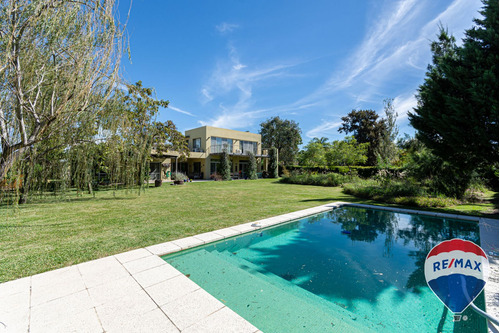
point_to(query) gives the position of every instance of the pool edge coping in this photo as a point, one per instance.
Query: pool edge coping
(189, 242)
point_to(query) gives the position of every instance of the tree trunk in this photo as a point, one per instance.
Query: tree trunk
(26, 181)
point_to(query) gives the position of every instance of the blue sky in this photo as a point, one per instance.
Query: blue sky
(235, 63)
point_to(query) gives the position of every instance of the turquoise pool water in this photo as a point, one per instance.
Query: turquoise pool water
(348, 270)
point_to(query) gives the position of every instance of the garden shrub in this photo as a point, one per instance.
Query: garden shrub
(402, 192)
(179, 176)
(330, 179)
(428, 202)
(362, 171)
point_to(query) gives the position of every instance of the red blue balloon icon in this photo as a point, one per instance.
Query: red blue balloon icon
(456, 271)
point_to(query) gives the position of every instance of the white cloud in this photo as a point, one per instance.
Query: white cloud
(387, 51)
(207, 95)
(457, 18)
(225, 27)
(173, 108)
(324, 130)
(377, 42)
(403, 104)
(238, 67)
(395, 49)
(232, 118)
(231, 78)
(416, 52)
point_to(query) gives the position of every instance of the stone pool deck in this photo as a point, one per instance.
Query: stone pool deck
(137, 291)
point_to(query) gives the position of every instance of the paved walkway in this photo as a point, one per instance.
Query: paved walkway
(135, 291)
(489, 242)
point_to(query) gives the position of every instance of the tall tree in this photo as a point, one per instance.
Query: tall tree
(58, 61)
(273, 163)
(313, 154)
(283, 134)
(366, 127)
(387, 149)
(457, 112)
(131, 127)
(252, 166)
(225, 165)
(167, 137)
(323, 141)
(347, 152)
(117, 145)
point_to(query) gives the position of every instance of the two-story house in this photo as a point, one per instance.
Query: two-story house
(206, 145)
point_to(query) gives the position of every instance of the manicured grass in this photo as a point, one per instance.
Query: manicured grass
(43, 236)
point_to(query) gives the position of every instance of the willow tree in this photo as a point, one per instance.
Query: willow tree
(129, 132)
(58, 62)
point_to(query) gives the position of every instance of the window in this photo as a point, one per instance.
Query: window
(213, 166)
(221, 144)
(197, 144)
(248, 146)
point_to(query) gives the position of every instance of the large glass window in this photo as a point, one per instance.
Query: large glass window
(248, 146)
(197, 144)
(220, 144)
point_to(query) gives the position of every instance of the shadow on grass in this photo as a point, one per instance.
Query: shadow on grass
(349, 199)
(494, 201)
(39, 226)
(48, 200)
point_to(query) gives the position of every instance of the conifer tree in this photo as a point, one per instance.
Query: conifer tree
(273, 163)
(252, 166)
(457, 112)
(225, 166)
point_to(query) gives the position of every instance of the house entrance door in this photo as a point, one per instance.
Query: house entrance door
(243, 167)
(197, 170)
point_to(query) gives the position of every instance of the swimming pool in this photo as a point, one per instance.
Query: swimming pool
(350, 269)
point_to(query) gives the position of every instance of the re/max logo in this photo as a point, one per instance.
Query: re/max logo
(443, 264)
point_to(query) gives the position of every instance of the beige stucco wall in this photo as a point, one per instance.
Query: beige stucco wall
(205, 133)
(166, 167)
(197, 133)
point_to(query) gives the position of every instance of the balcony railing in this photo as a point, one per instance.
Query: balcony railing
(217, 149)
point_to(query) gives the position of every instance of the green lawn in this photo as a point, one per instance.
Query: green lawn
(43, 236)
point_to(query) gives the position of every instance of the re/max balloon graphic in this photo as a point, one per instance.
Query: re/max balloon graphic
(456, 271)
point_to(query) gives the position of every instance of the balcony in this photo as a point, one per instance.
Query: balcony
(217, 149)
